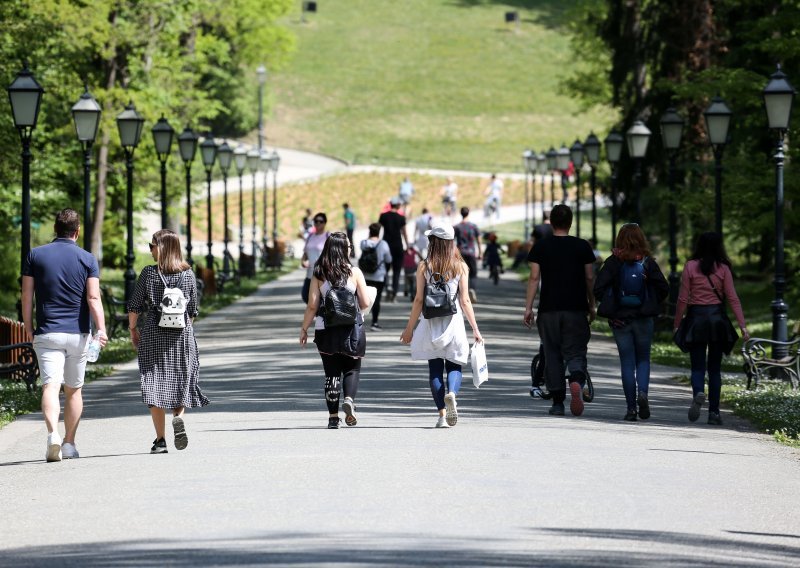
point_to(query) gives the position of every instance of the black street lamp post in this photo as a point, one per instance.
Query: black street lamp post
(263, 166)
(541, 166)
(778, 98)
(551, 167)
(638, 137)
(562, 164)
(208, 153)
(253, 163)
(240, 159)
(187, 145)
(225, 157)
(129, 124)
(261, 72)
(592, 147)
(614, 142)
(25, 95)
(162, 138)
(576, 155)
(526, 157)
(274, 164)
(86, 116)
(671, 133)
(718, 120)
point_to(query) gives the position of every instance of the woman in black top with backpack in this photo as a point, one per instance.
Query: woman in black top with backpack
(631, 288)
(336, 296)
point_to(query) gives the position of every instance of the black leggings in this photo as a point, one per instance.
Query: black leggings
(340, 369)
(376, 306)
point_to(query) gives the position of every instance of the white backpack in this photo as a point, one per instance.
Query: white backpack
(173, 305)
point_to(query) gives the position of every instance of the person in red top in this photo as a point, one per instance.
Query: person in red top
(706, 283)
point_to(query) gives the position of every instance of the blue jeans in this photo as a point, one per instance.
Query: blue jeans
(633, 343)
(712, 363)
(437, 367)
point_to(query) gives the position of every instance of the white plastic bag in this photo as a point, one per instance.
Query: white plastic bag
(480, 369)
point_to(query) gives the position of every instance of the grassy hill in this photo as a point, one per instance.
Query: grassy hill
(428, 82)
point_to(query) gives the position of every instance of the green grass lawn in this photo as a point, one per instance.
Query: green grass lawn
(429, 82)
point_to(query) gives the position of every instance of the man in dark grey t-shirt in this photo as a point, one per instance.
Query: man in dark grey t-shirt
(564, 264)
(65, 281)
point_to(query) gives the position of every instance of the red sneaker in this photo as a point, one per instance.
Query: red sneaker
(576, 403)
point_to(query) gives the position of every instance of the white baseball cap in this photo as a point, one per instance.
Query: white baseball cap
(442, 231)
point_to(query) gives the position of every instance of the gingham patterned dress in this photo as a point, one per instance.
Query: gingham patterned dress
(168, 361)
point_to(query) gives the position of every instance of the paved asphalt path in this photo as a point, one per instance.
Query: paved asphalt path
(263, 482)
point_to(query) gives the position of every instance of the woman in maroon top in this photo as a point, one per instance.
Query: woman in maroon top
(706, 283)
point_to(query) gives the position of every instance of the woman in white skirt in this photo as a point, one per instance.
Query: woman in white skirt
(442, 341)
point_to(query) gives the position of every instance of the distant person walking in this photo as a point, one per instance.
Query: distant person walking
(340, 360)
(442, 341)
(494, 198)
(349, 227)
(468, 237)
(449, 194)
(312, 249)
(632, 284)
(169, 365)
(64, 279)
(306, 225)
(406, 191)
(375, 256)
(564, 265)
(394, 233)
(706, 284)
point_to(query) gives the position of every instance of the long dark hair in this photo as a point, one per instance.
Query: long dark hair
(334, 262)
(710, 251)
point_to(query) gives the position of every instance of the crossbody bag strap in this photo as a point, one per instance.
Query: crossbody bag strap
(721, 298)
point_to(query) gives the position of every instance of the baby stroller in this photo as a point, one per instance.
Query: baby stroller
(538, 387)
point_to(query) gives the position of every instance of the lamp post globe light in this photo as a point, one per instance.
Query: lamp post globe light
(261, 72)
(541, 166)
(162, 139)
(562, 164)
(718, 121)
(240, 159)
(778, 98)
(613, 143)
(208, 153)
(187, 146)
(86, 116)
(552, 164)
(638, 138)
(253, 164)
(225, 157)
(671, 133)
(264, 166)
(592, 148)
(576, 155)
(274, 164)
(129, 124)
(25, 95)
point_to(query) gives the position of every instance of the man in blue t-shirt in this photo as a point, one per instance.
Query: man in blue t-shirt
(564, 264)
(65, 280)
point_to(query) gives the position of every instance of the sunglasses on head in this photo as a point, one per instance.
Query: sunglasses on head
(151, 245)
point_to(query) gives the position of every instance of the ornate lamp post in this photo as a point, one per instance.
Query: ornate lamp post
(187, 145)
(162, 138)
(86, 116)
(576, 155)
(25, 95)
(592, 147)
(208, 153)
(552, 164)
(638, 137)
(718, 121)
(562, 164)
(225, 157)
(614, 142)
(253, 163)
(129, 124)
(526, 157)
(778, 99)
(261, 72)
(274, 164)
(240, 158)
(541, 166)
(671, 133)
(263, 166)
(532, 166)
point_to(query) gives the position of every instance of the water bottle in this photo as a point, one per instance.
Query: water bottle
(94, 347)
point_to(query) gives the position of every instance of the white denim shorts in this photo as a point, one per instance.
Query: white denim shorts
(62, 357)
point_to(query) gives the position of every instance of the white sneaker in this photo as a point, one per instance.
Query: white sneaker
(451, 413)
(442, 423)
(69, 451)
(53, 453)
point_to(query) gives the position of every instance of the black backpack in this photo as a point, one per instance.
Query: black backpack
(437, 301)
(339, 307)
(368, 263)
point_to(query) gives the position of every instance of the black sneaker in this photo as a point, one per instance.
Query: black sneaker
(630, 416)
(644, 406)
(333, 423)
(697, 404)
(557, 409)
(181, 439)
(376, 327)
(159, 446)
(714, 418)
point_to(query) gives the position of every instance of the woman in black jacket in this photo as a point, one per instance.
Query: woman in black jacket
(631, 288)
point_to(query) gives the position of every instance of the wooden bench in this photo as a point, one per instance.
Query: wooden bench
(272, 257)
(17, 358)
(231, 276)
(759, 364)
(117, 312)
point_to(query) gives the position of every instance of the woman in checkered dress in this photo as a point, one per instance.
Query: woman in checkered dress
(168, 361)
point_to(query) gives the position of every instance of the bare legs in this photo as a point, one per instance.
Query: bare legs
(51, 409)
(159, 418)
